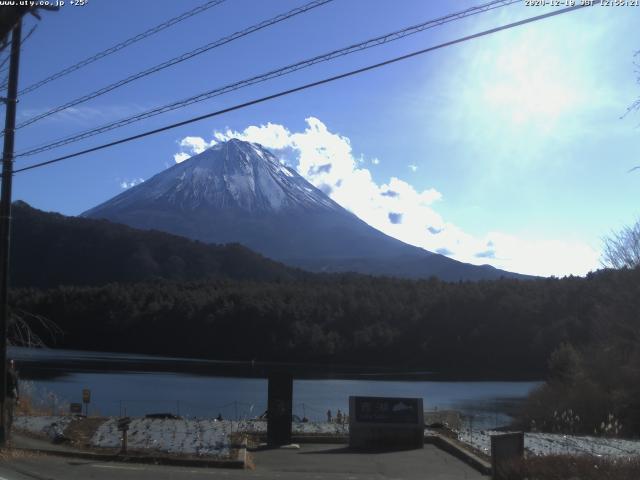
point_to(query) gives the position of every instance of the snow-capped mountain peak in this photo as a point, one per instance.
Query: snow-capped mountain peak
(240, 192)
(231, 175)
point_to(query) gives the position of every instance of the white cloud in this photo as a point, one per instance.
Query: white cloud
(544, 257)
(413, 168)
(181, 157)
(128, 184)
(270, 135)
(398, 209)
(193, 146)
(375, 161)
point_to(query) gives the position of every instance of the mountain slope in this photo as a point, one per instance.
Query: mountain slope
(49, 249)
(239, 192)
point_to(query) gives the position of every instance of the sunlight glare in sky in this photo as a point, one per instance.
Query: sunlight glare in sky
(530, 83)
(533, 89)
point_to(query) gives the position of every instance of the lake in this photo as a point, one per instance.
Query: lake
(135, 385)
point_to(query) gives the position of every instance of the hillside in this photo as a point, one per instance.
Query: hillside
(49, 249)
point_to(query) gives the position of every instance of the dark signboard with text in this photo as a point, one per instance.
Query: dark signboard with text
(387, 410)
(386, 422)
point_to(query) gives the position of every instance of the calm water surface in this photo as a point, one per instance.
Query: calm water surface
(138, 384)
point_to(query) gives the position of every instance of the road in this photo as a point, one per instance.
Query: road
(311, 462)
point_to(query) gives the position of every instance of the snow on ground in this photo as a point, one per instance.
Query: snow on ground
(210, 437)
(260, 426)
(50, 426)
(184, 436)
(322, 428)
(193, 436)
(557, 444)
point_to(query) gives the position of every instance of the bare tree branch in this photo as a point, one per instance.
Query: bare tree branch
(636, 104)
(23, 326)
(622, 249)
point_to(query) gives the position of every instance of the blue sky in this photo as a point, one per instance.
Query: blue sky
(507, 150)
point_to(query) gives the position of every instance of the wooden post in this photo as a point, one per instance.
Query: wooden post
(124, 441)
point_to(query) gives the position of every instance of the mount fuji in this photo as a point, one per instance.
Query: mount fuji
(239, 192)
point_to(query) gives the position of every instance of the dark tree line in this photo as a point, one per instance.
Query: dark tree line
(505, 327)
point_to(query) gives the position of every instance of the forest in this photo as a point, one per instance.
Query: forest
(492, 328)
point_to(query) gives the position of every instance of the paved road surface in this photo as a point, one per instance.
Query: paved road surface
(311, 462)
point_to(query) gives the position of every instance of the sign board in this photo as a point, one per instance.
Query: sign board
(86, 395)
(506, 449)
(386, 422)
(75, 408)
(279, 409)
(387, 410)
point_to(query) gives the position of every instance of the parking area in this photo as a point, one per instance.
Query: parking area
(336, 461)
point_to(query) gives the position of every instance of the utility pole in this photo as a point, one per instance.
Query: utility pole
(5, 219)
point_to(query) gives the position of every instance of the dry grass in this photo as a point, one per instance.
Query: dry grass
(26, 407)
(39, 401)
(81, 431)
(7, 454)
(250, 463)
(566, 467)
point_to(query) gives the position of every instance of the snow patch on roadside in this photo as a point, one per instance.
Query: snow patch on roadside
(557, 444)
(322, 428)
(51, 426)
(211, 438)
(182, 436)
(192, 437)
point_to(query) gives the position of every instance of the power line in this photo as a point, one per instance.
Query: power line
(26, 37)
(273, 74)
(4, 68)
(178, 59)
(121, 45)
(374, 42)
(309, 85)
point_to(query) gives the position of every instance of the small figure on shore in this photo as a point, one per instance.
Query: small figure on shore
(219, 417)
(339, 417)
(329, 416)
